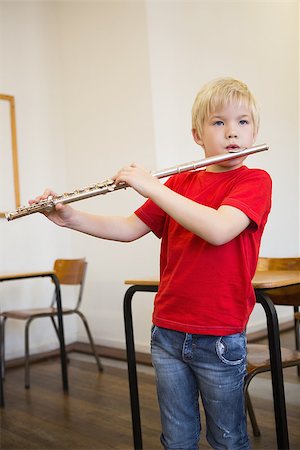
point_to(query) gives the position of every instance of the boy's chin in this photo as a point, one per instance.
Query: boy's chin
(236, 162)
(231, 164)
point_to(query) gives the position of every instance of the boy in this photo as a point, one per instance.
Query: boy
(210, 222)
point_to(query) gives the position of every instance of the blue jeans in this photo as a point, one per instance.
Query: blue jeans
(214, 367)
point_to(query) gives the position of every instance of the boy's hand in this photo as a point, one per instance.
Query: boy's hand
(60, 214)
(138, 178)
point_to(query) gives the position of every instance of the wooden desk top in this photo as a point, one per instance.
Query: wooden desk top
(265, 279)
(152, 281)
(282, 286)
(20, 275)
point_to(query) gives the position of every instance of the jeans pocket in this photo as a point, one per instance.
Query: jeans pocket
(231, 349)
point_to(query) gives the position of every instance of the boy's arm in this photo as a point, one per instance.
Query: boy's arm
(117, 228)
(216, 226)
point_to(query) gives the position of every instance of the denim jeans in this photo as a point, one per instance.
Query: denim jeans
(191, 365)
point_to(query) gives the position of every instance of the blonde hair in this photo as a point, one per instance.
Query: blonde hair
(218, 93)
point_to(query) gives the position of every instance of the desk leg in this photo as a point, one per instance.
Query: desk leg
(276, 371)
(131, 362)
(63, 356)
(1, 367)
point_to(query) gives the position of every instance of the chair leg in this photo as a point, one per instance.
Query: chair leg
(249, 407)
(99, 364)
(1, 368)
(2, 349)
(2, 402)
(27, 374)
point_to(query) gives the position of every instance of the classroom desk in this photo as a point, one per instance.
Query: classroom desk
(51, 274)
(267, 284)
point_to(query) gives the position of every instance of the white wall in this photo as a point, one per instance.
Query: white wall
(109, 123)
(101, 84)
(29, 70)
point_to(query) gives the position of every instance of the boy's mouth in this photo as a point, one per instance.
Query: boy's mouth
(232, 148)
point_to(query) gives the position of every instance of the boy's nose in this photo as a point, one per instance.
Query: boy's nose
(231, 132)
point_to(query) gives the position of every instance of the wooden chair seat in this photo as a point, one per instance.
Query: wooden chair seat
(258, 358)
(26, 314)
(258, 361)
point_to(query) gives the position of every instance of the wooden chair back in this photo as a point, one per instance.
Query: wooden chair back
(278, 263)
(70, 271)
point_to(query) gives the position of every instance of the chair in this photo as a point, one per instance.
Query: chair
(68, 272)
(258, 358)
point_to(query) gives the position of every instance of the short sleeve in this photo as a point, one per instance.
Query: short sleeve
(252, 195)
(152, 215)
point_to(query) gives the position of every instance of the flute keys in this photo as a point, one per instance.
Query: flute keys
(110, 185)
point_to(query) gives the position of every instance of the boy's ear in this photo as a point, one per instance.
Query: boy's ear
(196, 137)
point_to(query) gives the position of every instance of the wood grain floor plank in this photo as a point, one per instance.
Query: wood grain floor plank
(95, 415)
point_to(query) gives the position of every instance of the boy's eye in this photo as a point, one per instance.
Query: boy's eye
(218, 123)
(244, 122)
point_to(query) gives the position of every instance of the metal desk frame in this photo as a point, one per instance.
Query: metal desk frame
(52, 275)
(275, 360)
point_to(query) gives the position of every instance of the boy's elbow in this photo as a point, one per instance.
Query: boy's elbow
(217, 241)
(129, 239)
(134, 229)
(219, 237)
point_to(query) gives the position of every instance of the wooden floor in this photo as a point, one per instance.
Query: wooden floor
(95, 415)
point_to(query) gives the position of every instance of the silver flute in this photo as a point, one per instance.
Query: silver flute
(109, 185)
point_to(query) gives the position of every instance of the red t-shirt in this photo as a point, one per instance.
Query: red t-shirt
(206, 289)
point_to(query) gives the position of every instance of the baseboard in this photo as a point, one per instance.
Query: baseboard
(80, 347)
(35, 358)
(110, 352)
(263, 333)
(120, 354)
